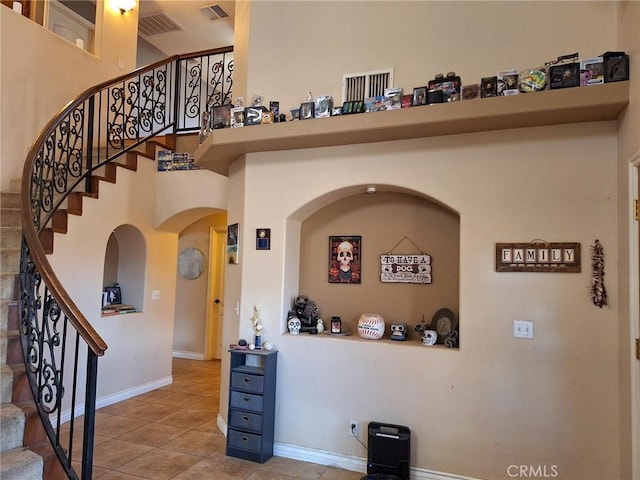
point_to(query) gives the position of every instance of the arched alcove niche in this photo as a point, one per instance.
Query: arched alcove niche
(125, 264)
(388, 221)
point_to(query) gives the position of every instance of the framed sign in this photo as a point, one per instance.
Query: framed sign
(405, 268)
(538, 257)
(344, 259)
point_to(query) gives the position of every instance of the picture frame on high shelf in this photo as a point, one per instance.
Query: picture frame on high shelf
(347, 108)
(306, 110)
(274, 107)
(221, 116)
(114, 295)
(253, 115)
(323, 106)
(419, 96)
(237, 117)
(616, 66)
(345, 256)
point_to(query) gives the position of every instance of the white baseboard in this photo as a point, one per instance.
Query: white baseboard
(188, 355)
(354, 464)
(119, 397)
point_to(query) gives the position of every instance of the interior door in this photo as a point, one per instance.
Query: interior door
(215, 297)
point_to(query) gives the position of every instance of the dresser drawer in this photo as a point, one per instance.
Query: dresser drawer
(247, 382)
(244, 440)
(245, 420)
(246, 401)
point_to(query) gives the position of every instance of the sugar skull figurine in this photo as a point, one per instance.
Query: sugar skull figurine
(294, 325)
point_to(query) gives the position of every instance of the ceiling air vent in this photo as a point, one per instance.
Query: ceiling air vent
(358, 86)
(157, 23)
(214, 12)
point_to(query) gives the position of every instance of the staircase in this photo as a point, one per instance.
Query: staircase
(22, 433)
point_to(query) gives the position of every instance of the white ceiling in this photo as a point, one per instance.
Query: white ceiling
(199, 32)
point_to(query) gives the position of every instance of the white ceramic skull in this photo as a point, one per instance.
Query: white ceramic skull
(429, 337)
(294, 325)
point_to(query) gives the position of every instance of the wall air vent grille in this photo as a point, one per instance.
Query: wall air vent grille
(358, 86)
(214, 12)
(157, 23)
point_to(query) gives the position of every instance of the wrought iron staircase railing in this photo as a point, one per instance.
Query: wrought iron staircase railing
(92, 131)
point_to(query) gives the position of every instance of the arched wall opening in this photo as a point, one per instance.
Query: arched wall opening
(390, 221)
(125, 265)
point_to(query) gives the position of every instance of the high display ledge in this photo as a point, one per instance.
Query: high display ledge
(552, 107)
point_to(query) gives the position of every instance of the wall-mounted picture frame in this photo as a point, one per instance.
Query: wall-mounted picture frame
(419, 96)
(233, 232)
(345, 256)
(263, 239)
(114, 295)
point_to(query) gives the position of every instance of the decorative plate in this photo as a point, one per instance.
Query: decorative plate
(444, 322)
(191, 263)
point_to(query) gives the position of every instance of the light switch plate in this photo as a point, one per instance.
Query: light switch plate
(522, 329)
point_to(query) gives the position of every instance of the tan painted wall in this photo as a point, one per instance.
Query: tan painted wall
(140, 344)
(497, 401)
(39, 75)
(629, 319)
(297, 47)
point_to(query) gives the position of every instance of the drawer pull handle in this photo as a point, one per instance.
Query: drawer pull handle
(246, 380)
(245, 418)
(246, 399)
(245, 439)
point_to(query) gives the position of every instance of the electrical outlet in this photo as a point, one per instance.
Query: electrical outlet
(354, 428)
(522, 329)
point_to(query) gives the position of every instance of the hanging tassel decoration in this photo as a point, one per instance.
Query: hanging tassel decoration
(598, 290)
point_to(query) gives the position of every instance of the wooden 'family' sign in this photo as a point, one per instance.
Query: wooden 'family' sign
(538, 257)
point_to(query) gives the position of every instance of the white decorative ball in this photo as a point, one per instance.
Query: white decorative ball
(252, 346)
(371, 326)
(268, 345)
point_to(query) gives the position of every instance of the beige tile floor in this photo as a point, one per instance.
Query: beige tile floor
(171, 433)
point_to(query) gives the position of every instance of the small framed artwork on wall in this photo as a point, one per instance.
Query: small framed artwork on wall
(344, 259)
(263, 239)
(232, 244)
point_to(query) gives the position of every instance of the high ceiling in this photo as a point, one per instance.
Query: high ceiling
(196, 30)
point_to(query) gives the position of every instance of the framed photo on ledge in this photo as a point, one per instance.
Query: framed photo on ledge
(419, 96)
(114, 295)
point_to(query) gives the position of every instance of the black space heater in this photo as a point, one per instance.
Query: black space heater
(388, 451)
